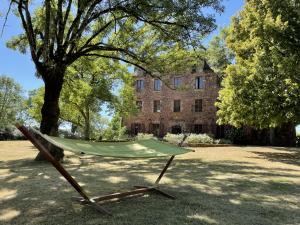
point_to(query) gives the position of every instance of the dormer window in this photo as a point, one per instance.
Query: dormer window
(199, 82)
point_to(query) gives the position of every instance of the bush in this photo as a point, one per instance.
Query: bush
(10, 133)
(236, 135)
(143, 136)
(222, 141)
(199, 139)
(174, 138)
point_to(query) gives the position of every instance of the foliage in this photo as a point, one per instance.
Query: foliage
(199, 138)
(125, 103)
(222, 141)
(235, 135)
(10, 133)
(11, 101)
(143, 136)
(58, 33)
(219, 56)
(262, 88)
(174, 138)
(115, 130)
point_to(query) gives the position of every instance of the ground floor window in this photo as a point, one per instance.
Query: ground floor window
(176, 129)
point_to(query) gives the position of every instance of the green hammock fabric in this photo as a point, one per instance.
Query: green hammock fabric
(149, 148)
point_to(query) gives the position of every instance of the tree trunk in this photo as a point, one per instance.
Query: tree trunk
(87, 124)
(53, 80)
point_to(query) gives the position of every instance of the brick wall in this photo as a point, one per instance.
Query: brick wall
(166, 120)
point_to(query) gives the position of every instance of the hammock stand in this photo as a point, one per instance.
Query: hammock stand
(85, 199)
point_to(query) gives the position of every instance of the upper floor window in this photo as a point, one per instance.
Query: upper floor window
(198, 105)
(177, 82)
(199, 82)
(139, 85)
(139, 105)
(157, 85)
(176, 107)
(156, 106)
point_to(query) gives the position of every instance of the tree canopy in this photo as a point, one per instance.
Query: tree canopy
(262, 88)
(59, 32)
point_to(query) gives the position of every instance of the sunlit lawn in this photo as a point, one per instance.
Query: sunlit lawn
(232, 185)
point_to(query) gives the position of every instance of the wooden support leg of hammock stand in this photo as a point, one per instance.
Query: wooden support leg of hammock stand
(156, 188)
(60, 169)
(138, 190)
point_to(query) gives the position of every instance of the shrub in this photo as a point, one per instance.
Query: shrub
(10, 133)
(222, 141)
(236, 135)
(199, 138)
(174, 138)
(143, 136)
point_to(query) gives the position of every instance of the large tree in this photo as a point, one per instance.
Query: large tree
(88, 86)
(262, 88)
(11, 101)
(58, 32)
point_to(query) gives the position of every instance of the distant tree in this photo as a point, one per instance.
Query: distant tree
(11, 101)
(262, 88)
(59, 32)
(115, 129)
(219, 56)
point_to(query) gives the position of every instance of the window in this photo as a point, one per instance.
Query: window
(199, 82)
(198, 128)
(176, 106)
(198, 105)
(157, 85)
(139, 85)
(156, 106)
(139, 105)
(177, 82)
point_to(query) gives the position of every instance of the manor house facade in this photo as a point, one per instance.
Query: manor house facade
(186, 104)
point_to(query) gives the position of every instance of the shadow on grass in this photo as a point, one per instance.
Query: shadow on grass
(289, 155)
(207, 193)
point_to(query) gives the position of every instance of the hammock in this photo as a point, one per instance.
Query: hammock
(148, 148)
(135, 149)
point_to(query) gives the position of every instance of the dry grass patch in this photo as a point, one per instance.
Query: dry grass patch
(224, 185)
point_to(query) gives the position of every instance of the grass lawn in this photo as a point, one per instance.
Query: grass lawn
(224, 185)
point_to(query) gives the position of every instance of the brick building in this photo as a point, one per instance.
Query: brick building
(188, 106)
